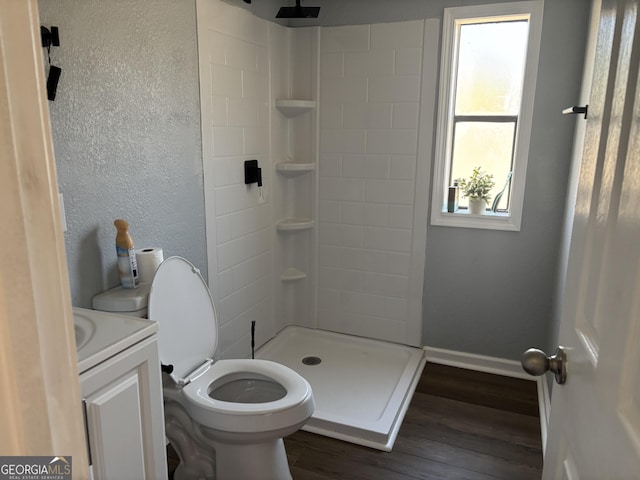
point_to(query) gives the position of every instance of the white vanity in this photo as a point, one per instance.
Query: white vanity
(122, 395)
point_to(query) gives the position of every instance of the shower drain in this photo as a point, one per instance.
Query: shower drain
(311, 360)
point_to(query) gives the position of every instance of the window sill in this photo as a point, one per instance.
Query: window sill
(487, 221)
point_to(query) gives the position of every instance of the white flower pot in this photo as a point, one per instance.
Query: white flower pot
(477, 206)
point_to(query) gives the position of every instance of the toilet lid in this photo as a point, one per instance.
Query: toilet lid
(181, 303)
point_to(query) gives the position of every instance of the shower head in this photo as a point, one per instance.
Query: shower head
(298, 11)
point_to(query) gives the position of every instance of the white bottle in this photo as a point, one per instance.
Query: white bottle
(127, 263)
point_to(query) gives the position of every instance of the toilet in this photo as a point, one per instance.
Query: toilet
(240, 409)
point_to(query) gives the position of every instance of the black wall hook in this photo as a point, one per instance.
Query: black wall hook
(50, 37)
(52, 81)
(252, 173)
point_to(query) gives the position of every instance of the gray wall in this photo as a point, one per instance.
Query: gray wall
(354, 12)
(266, 9)
(492, 292)
(126, 132)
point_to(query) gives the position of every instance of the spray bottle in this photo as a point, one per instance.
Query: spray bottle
(127, 264)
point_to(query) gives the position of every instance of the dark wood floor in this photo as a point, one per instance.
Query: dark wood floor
(460, 425)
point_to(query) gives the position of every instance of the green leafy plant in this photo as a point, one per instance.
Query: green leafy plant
(478, 185)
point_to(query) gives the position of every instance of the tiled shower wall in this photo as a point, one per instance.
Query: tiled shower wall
(370, 101)
(295, 299)
(363, 246)
(234, 62)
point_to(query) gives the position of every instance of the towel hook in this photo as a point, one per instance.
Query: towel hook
(576, 110)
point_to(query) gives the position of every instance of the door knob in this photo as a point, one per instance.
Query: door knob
(536, 362)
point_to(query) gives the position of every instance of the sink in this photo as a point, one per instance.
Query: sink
(101, 335)
(84, 328)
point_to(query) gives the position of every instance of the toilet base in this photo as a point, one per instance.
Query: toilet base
(197, 459)
(266, 461)
(201, 453)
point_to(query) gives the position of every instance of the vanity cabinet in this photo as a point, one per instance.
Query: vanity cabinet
(124, 419)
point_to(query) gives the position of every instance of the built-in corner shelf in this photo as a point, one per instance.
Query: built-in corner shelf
(292, 169)
(292, 275)
(293, 108)
(294, 224)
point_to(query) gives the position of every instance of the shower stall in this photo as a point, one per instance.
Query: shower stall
(333, 240)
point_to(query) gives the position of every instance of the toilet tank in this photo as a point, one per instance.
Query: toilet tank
(125, 301)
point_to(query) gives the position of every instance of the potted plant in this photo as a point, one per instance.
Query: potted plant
(476, 188)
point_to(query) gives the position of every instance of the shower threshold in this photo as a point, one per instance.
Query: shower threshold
(362, 387)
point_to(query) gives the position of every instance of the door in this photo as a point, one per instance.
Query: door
(40, 394)
(124, 415)
(594, 430)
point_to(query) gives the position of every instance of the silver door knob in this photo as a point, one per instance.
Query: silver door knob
(536, 362)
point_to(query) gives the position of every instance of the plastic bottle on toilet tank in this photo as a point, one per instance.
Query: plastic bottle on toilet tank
(127, 264)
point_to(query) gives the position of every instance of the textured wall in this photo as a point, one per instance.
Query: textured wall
(126, 132)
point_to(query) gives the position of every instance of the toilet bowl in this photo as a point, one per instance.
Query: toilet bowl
(239, 409)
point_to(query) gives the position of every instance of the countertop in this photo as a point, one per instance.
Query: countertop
(101, 335)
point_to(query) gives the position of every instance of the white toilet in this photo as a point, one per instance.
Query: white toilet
(241, 409)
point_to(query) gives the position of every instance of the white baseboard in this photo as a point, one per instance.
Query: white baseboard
(497, 366)
(479, 363)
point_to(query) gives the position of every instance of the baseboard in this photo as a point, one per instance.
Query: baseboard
(497, 366)
(479, 363)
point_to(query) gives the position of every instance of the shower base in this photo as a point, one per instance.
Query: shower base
(362, 387)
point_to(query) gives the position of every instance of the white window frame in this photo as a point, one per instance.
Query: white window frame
(499, 220)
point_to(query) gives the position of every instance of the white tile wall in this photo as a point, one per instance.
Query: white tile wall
(348, 38)
(281, 194)
(408, 61)
(239, 229)
(370, 96)
(369, 63)
(403, 167)
(394, 89)
(397, 35)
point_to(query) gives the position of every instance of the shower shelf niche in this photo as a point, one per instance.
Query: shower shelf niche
(293, 108)
(292, 275)
(294, 224)
(292, 169)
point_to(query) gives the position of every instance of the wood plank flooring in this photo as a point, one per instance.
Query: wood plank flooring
(460, 425)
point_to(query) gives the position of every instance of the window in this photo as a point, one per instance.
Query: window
(487, 86)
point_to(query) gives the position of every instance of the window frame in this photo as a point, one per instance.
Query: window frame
(510, 221)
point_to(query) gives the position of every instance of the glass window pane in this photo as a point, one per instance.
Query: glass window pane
(483, 144)
(490, 72)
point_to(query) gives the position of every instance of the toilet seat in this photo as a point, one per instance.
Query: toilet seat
(181, 303)
(247, 417)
